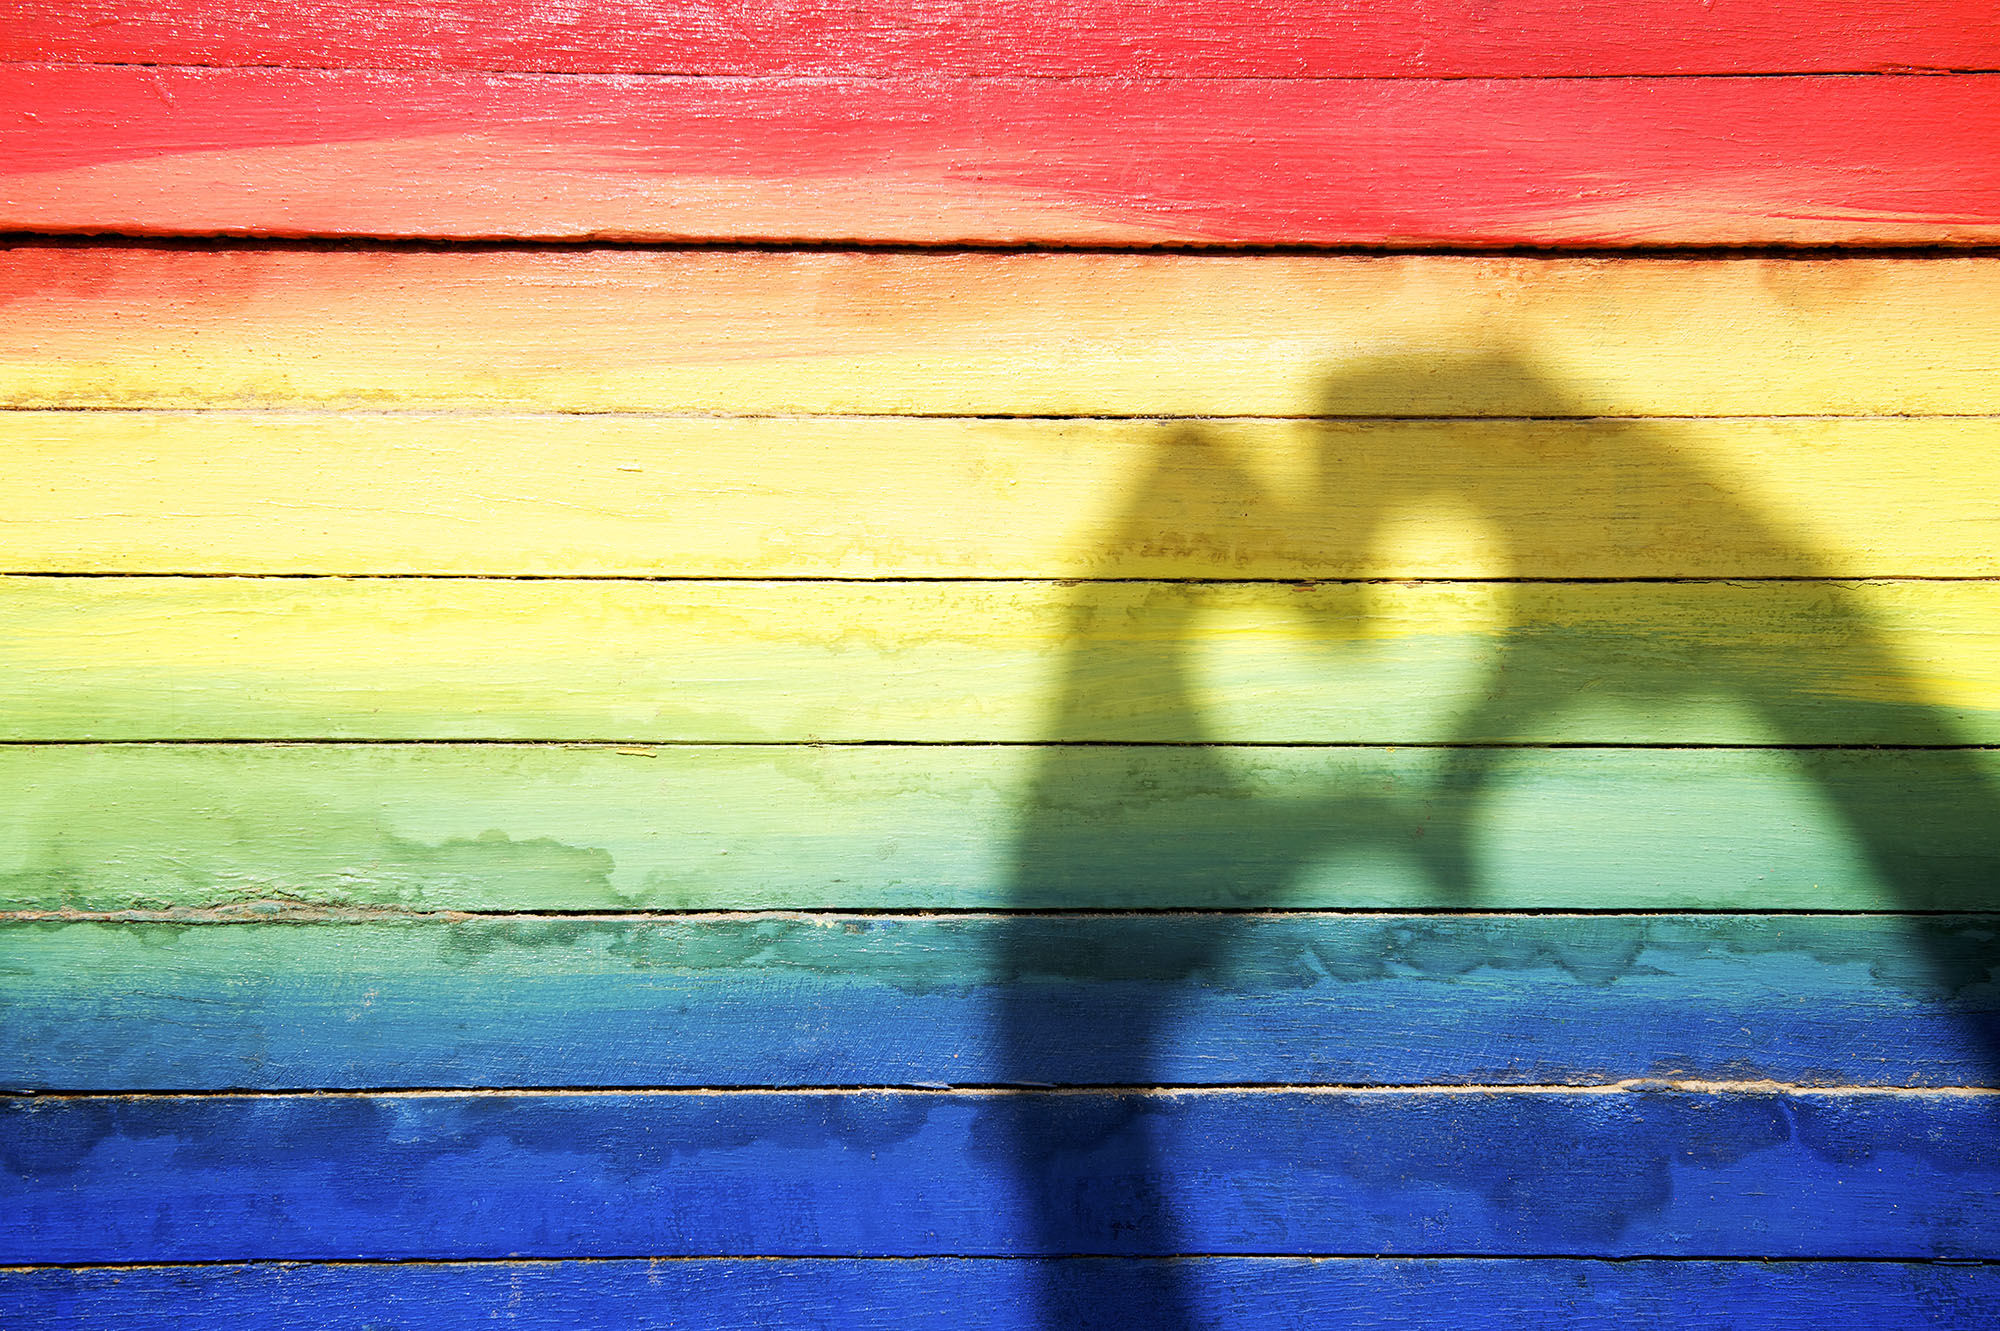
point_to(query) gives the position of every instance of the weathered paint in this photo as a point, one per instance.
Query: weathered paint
(971, 1294)
(631, 828)
(1902, 1174)
(919, 158)
(946, 662)
(810, 1001)
(814, 497)
(1236, 39)
(580, 329)
(428, 428)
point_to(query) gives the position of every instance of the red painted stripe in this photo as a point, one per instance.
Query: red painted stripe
(1877, 159)
(1211, 38)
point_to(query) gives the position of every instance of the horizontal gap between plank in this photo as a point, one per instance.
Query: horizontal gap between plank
(906, 579)
(510, 413)
(1370, 1258)
(276, 911)
(264, 239)
(931, 77)
(1030, 1090)
(640, 748)
(1009, 582)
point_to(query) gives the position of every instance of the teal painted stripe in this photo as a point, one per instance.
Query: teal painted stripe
(1080, 1294)
(1613, 1173)
(524, 827)
(1133, 1000)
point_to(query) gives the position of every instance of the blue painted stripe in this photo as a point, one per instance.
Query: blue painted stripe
(1245, 1294)
(1897, 1175)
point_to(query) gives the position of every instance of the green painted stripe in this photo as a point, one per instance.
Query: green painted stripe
(504, 827)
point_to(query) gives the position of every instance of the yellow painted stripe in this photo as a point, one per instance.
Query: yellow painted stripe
(863, 497)
(985, 333)
(142, 658)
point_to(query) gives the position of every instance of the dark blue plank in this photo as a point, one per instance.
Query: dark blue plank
(1245, 1294)
(791, 1001)
(1885, 1174)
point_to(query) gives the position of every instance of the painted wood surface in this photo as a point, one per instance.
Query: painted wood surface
(1903, 1174)
(1244, 39)
(948, 1294)
(1798, 453)
(1378, 663)
(920, 159)
(332, 493)
(265, 829)
(93, 325)
(988, 1000)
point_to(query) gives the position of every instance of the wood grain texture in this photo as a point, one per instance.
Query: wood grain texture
(486, 827)
(1821, 1062)
(1903, 1174)
(1106, 1000)
(139, 491)
(959, 1294)
(920, 159)
(589, 330)
(1382, 663)
(1244, 39)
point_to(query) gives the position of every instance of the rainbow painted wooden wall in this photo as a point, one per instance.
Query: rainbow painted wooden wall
(997, 665)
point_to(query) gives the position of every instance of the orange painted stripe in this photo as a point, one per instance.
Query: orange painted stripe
(594, 329)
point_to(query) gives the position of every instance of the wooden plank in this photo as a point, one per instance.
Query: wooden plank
(1906, 1174)
(138, 491)
(984, 1000)
(961, 1294)
(506, 828)
(1319, 38)
(921, 159)
(1158, 662)
(106, 326)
